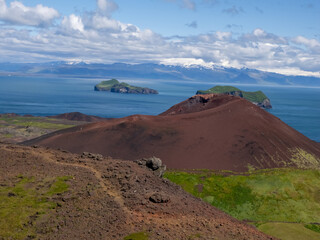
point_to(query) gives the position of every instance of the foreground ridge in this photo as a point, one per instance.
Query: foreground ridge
(108, 199)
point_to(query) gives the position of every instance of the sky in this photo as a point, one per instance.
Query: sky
(280, 36)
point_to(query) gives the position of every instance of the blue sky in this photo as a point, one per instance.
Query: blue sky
(274, 35)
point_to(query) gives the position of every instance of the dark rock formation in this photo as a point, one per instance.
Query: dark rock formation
(264, 104)
(154, 164)
(94, 156)
(235, 93)
(159, 198)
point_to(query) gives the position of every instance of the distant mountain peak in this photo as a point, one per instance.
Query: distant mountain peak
(190, 69)
(188, 63)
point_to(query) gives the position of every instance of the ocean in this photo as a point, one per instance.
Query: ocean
(299, 107)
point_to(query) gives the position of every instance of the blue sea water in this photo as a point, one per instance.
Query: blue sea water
(44, 96)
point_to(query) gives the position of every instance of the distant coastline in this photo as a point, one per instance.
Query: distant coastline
(217, 74)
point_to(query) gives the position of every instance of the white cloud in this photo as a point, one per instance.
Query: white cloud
(19, 14)
(312, 44)
(222, 35)
(106, 6)
(73, 22)
(102, 22)
(114, 41)
(96, 37)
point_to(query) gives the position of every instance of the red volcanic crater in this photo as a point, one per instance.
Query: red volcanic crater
(203, 132)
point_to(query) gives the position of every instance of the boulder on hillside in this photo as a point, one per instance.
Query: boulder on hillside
(154, 164)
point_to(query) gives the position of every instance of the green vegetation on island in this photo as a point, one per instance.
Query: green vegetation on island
(219, 89)
(25, 201)
(106, 85)
(114, 85)
(274, 200)
(258, 97)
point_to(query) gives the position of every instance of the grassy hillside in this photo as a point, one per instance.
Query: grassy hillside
(219, 89)
(261, 197)
(126, 85)
(257, 96)
(106, 85)
(26, 201)
(17, 128)
(289, 231)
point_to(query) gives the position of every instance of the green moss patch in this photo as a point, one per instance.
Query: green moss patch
(26, 201)
(59, 186)
(265, 198)
(137, 236)
(289, 231)
(313, 227)
(194, 236)
(290, 195)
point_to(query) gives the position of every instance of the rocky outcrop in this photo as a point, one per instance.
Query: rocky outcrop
(154, 164)
(93, 156)
(199, 103)
(235, 93)
(264, 104)
(159, 198)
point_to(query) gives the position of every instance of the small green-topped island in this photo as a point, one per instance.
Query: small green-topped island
(114, 85)
(258, 98)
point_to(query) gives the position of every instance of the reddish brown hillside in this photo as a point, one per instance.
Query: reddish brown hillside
(107, 199)
(213, 132)
(199, 103)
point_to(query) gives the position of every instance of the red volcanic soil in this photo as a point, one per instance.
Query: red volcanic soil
(77, 116)
(199, 103)
(110, 199)
(203, 132)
